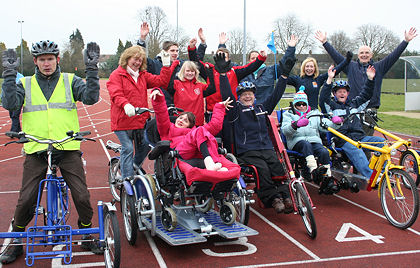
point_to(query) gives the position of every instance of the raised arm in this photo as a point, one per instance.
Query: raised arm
(325, 95)
(243, 71)
(211, 87)
(161, 113)
(335, 55)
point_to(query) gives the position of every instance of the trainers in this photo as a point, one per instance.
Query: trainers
(278, 205)
(11, 252)
(288, 205)
(318, 173)
(92, 245)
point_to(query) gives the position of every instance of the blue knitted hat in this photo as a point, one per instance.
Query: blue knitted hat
(300, 96)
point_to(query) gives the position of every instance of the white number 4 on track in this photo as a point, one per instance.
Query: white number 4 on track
(341, 236)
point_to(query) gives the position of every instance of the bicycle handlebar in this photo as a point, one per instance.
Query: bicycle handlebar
(24, 138)
(171, 110)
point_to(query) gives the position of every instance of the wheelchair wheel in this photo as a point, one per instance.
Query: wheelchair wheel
(305, 210)
(402, 210)
(227, 213)
(409, 160)
(128, 210)
(146, 204)
(112, 253)
(168, 218)
(113, 173)
(238, 197)
(200, 200)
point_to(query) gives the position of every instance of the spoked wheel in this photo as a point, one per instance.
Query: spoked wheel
(113, 173)
(227, 213)
(402, 209)
(112, 253)
(168, 218)
(199, 200)
(409, 161)
(128, 210)
(305, 210)
(146, 204)
(238, 197)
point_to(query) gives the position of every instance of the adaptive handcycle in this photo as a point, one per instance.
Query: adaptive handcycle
(54, 231)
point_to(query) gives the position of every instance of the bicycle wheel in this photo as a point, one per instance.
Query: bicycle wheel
(238, 198)
(305, 210)
(114, 172)
(409, 161)
(128, 210)
(112, 253)
(402, 210)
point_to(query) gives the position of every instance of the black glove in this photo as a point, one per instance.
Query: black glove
(349, 55)
(220, 63)
(287, 66)
(91, 56)
(10, 62)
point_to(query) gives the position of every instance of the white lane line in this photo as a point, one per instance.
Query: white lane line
(363, 207)
(155, 250)
(6, 242)
(331, 259)
(291, 239)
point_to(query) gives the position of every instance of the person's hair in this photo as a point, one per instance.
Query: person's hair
(302, 67)
(192, 66)
(134, 51)
(224, 50)
(191, 118)
(167, 44)
(252, 51)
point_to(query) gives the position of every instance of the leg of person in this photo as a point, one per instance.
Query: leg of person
(327, 186)
(358, 158)
(208, 161)
(71, 168)
(34, 170)
(126, 156)
(141, 147)
(267, 191)
(305, 148)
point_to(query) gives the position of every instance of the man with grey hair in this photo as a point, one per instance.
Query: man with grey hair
(356, 70)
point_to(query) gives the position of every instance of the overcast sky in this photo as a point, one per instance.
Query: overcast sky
(106, 21)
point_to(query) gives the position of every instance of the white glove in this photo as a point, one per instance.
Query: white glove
(166, 58)
(129, 110)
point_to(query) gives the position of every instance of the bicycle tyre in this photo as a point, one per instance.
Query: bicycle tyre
(409, 161)
(113, 172)
(403, 211)
(128, 210)
(112, 253)
(305, 210)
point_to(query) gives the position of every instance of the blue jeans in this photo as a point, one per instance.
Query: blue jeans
(316, 149)
(358, 157)
(131, 145)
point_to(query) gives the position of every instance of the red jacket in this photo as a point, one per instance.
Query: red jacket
(189, 97)
(168, 130)
(122, 90)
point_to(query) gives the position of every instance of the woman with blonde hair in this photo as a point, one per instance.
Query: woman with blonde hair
(127, 87)
(189, 93)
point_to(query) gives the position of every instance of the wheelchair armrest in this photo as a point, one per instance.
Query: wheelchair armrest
(160, 148)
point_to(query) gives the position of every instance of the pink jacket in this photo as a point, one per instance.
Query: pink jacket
(123, 89)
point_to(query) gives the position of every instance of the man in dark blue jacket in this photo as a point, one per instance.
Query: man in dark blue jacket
(252, 142)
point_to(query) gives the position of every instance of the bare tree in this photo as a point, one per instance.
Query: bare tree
(378, 38)
(160, 30)
(235, 44)
(288, 25)
(341, 42)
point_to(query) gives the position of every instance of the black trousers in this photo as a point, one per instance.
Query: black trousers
(268, 166)
(34, 170)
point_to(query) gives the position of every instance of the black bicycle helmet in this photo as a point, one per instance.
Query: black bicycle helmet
(340, 84)
(245, 86)
(45, 47)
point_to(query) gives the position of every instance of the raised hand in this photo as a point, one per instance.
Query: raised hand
(155, 93)
(287, 66)
(349, 56)
(227, 103)
(321, 36)
(144, 30)
(10, 60)
(166, 58)
(220, 63)
(408, 36)
(293, 41)
(201, 36)
(331, 72)
(91, 56)
(193, 42)
(370, 72)
(223, 38)
(263, 53)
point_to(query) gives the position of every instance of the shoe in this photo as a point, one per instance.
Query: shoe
(332, 187)
(318, 173)
(278, 205)
(288, 205)
(11, 252)
(92, 245)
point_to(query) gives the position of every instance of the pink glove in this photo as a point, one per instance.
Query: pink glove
(303, 121)
(337, 120)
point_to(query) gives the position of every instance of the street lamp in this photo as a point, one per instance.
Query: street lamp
(21, 46)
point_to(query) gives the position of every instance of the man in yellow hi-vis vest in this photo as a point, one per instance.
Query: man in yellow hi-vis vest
(48, 101)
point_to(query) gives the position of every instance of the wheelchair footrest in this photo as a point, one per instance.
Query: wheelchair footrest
(235, 230)
(177, 237)
(48, 236)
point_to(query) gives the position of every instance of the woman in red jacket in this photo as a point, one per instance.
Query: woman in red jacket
(189, 93)
(127, 88)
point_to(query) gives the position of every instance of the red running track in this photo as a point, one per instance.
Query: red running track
(352, 230)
